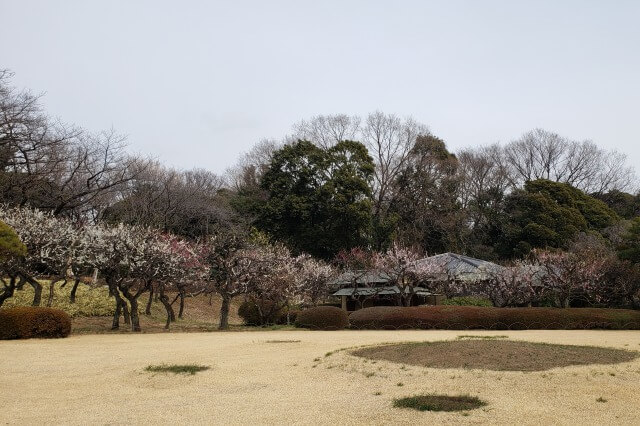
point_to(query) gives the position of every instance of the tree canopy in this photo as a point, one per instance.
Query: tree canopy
(549, 214)
(318, 199)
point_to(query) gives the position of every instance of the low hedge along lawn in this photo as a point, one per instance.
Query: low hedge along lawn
(472, 317)
(323, 318)
(25, 322)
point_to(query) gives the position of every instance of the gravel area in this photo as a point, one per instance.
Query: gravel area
(298, 377)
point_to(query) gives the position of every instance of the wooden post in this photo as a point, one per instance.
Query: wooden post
(344, 303)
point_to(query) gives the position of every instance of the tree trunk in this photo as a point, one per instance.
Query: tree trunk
(115, 324)
(147, 310)
(171, 316)
(121, 306)
(52, 286)
(181, 311)
(407, 301)
(72, 296)
(125, 312)
(135, 318)
(224, 312)
(37, 291)
(8, 291)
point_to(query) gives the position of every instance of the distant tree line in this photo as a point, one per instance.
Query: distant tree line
(336, 183)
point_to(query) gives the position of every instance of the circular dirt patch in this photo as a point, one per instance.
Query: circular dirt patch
(499, 355)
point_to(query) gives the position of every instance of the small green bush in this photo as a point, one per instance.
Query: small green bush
(468, 301)
(323, 318)
(33, 321)
(250, 314)
(248, 311)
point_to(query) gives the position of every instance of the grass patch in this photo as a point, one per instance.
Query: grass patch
(191, 369)
(601, 399)
(439, 403)
(89, 301)
(497, 355)
(472, 336)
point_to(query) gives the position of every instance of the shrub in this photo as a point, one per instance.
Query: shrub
(473, 317)
(468, 301)
(323, 318)
(33, 321)
(293, 315)
(10, 244)
(251, 315)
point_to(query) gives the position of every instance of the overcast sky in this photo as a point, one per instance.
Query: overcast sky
(197, 83)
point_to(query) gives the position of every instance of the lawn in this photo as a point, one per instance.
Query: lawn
(301, 377)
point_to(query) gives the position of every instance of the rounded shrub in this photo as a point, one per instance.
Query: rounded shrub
(25, 322)
(323, 318)
(251, 314)
(473, 317)
(468, 301)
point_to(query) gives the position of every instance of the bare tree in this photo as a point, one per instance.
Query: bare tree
(389, 140)
(183, 202)
(327, 130)
(251, 165)
(482, 171)
(540, 154)
(54, 166)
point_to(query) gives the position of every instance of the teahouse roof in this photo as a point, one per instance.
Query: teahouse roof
(381, 291)
(452, 265)
(460, 267)
(361, 277)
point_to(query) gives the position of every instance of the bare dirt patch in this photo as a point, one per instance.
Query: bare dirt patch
(497, 355)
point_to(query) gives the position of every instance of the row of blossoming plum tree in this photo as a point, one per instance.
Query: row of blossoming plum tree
(134, 260)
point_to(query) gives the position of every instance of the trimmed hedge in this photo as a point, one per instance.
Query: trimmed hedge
(25, 322)
(323, 318)
(472, 317)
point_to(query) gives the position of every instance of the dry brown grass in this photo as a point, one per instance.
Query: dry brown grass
(497, 355)
(100, 379)
(199, 315)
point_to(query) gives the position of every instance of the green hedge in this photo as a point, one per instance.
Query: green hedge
(26, 322)
(471, 317)
(323, 318)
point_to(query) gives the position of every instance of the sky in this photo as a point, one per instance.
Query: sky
(196, 83)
